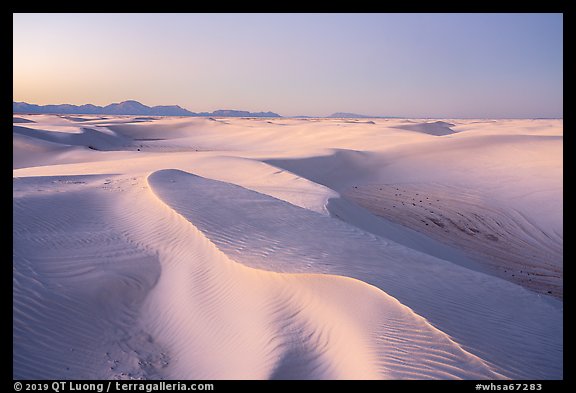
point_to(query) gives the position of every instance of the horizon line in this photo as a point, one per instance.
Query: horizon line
(207, 114)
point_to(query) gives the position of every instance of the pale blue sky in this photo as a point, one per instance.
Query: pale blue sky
(410, 65)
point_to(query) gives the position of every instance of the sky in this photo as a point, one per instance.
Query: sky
(407, 65)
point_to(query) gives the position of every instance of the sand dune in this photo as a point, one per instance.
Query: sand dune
(16, 119)
(256, 249)
(437, 128)
(509, 244)
(503, 209)
(265, 233)
(323, 326)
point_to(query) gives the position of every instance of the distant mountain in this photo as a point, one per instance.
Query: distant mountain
(171, 110)
(129, 107)
(346, 115)
(23, 107)
(235, 113)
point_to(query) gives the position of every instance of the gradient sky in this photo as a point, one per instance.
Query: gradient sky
(408, 65)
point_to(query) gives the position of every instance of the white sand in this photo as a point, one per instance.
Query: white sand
(189, 248)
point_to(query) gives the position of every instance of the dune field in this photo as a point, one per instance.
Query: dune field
(285, 248)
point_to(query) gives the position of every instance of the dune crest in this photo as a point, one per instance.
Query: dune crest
(316, 326)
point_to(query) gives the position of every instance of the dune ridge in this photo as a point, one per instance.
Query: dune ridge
(328, 327)
(266, 233)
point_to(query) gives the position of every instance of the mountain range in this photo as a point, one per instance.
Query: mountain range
(347, 115)
(129, 107)
(132, 107)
